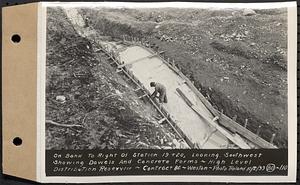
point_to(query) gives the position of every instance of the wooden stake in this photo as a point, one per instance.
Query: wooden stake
(246, 122)
(234, 117)
(162, 120)
(272, 138)
(142, 96)
(258, 130)
(215, 118)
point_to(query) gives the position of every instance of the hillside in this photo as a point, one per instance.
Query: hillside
(237, 60)
(89, 106)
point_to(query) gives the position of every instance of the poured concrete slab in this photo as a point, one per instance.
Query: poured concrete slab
(154, 69)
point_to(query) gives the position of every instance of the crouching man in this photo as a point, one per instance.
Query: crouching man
(160, 90)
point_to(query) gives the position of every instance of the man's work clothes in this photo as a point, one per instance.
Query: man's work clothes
(161, 90)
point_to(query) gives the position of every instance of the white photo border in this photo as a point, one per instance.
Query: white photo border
(292, 97)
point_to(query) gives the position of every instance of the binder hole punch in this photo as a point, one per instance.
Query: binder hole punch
(16, 38)
(17, 141)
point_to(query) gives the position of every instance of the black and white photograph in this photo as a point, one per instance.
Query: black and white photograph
(166, 78)
(137, 92)
(175, 90)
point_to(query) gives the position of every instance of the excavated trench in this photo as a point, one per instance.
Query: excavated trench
(204, 138)
(83, 89)
(216, 98)
(232, 109)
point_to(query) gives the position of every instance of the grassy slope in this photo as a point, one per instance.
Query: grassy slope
(97, 98)
(239, 61)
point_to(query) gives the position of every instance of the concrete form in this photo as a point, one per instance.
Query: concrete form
(197, 129)
(193, 121)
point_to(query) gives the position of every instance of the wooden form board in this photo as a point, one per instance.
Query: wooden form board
(230, 124)
(223, 119)
(236, 140)
(186, 140)
(19, 90)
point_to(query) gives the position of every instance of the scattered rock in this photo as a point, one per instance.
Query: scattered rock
(61, 99)
(248, 12)
(62, 41)
(162, 141)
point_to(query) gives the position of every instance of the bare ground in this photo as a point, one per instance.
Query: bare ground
(239, 62)
(102, 103)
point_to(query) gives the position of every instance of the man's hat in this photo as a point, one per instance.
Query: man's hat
(152, 84)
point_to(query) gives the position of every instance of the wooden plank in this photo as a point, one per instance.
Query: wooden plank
(137, 89)
(224, 120)
(118, 71)
(137, 60)
(235, 127)
(142, 96)
(162, 120)
(170, 121)
(239, 142)
(229, 123)
(97, 50)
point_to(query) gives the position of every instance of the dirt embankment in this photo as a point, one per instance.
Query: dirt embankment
(233, 59)
(83, 89)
